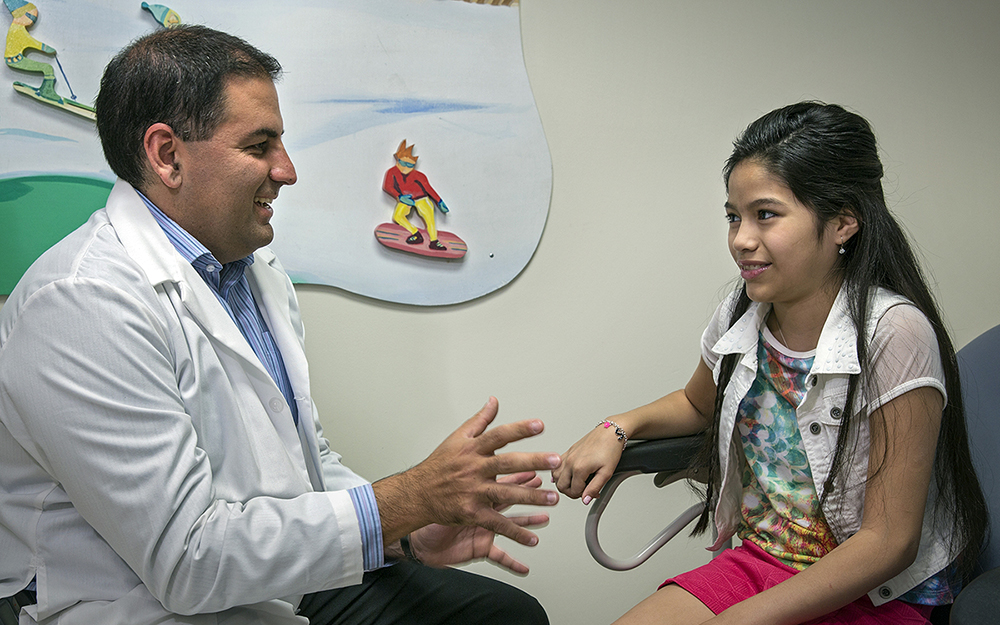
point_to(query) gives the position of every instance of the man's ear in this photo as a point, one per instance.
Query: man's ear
(162, 147)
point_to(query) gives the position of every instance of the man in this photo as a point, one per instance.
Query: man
(160, 456)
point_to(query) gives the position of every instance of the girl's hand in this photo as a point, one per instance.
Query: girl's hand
(588, 464)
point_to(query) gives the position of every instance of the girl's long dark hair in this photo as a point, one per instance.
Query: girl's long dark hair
(828, 157)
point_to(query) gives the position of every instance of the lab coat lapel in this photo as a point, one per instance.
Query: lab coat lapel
(270, 291)
(269, 287)
(165, 268)
(148, 245)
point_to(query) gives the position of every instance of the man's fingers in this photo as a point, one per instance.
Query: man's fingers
(502, 526)
(529, 479)
(505, 560)
(526, 479)
(519, 479)
(530, 520)
(504, 495)
(502, 435)
(476, 425)
(522, 461)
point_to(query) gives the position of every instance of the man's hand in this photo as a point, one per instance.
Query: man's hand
(443, 545)
(457, 486)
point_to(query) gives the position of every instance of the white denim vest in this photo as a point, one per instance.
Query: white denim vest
(819, 417)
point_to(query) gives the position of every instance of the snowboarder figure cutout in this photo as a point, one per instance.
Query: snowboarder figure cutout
(411, 190)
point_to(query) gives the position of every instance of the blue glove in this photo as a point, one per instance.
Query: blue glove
(442, 207)
(407, 199)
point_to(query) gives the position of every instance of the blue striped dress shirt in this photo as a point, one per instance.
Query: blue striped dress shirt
(230, 285)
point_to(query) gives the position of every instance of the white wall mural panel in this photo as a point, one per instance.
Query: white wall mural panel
(361, 76)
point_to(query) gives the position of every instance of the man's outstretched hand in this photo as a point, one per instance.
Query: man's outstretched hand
(444, 545)
(458, 486)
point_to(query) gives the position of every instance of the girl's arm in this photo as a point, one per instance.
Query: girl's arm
(889, 536)
(680, 413)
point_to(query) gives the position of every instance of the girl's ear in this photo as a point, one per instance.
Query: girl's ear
(847, 226)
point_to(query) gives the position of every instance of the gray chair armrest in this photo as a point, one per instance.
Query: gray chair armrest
(670, 459)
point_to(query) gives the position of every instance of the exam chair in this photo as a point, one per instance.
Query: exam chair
(979, 365)
(670, 459)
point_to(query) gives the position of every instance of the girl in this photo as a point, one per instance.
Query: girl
(829, 392)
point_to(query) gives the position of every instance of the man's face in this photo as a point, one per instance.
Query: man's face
(230, 180)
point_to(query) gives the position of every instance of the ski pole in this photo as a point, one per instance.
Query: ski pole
(73, 95)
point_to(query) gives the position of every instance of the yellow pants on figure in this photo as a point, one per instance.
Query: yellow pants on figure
(425, 208)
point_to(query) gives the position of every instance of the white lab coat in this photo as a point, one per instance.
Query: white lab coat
(149, 466)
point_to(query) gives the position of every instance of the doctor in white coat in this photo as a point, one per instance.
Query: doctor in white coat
(161, 460)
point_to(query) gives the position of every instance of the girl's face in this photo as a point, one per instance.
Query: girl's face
(773, 239)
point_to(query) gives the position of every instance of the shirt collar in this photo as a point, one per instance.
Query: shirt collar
(836, 351)
(187, 246)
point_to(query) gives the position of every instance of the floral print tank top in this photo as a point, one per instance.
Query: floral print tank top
(780, 512)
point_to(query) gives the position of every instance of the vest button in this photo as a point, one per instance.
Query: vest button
(814, 428)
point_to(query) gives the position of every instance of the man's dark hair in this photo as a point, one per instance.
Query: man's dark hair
(176, 77)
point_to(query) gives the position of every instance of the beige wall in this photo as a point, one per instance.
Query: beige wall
(640, 100)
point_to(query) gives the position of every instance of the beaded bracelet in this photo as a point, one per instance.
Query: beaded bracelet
(619, 432)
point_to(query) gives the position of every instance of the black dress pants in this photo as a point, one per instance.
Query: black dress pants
(407, 593)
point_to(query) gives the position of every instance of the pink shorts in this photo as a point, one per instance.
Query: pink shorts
(742, 572)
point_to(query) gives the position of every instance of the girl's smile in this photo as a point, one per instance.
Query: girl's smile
(749, 271)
